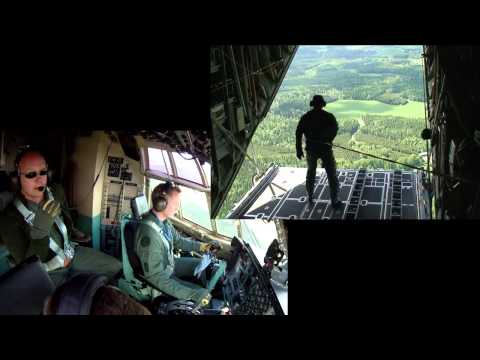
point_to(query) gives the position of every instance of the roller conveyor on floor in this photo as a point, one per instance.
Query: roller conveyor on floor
(365, 194)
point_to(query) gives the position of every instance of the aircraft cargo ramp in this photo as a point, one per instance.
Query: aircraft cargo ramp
(365, 194)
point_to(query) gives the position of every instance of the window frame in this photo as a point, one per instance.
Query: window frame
(180, 216)
(149, 173)
(214, 232)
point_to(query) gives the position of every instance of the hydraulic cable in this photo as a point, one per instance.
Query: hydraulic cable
(458, 178)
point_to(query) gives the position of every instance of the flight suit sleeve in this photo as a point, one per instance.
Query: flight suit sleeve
(184, 243)
(299, 134)
(157, 269)
(22, 241)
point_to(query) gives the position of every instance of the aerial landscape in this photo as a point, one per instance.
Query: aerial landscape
(376, 94)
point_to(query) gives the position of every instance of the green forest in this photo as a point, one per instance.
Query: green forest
(376, 95)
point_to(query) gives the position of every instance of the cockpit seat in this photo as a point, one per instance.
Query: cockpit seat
(134, 282)
(6, 195)
(25, 288)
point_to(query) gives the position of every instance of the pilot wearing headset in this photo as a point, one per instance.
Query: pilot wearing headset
(155, 241)
(37, 222)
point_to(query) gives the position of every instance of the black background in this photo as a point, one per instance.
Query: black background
(343, 276)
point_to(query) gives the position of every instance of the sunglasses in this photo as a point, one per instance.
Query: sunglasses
(34, 174)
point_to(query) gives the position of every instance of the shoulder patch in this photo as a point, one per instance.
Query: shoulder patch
(145, 241)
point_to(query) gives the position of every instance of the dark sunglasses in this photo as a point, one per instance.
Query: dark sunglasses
(34, 174)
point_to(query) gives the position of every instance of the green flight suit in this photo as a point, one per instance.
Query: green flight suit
(23, 241)
(319, 127)
(155, 250)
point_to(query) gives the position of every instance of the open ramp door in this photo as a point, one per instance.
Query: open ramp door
(244, 82)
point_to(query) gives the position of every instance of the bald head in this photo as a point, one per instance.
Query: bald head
(30, 158)
(32, 183)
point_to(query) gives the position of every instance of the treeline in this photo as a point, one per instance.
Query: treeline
(391, 82)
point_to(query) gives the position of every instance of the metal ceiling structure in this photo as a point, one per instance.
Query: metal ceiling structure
(452, 79)
(244, 82)
(194, 142)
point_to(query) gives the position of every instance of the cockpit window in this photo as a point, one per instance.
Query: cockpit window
(259, 235)
(194, 207)
(162, 163)
(186, 167)
(159, 161)
(227, 227)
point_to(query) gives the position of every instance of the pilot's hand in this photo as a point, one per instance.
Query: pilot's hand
(52, 208)
(203, 297)
(299, 154)
(210, 246)
(46, 214)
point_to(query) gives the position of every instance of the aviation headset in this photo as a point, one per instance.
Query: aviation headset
(15, 176)
(75, 297)
(159, 196)
(318, 100)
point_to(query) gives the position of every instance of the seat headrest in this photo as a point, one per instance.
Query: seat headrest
(27, 285)
(6, 198)
(139, 206)
(4, 258)
(4, 181)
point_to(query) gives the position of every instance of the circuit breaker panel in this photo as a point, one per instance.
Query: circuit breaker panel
(121, 184)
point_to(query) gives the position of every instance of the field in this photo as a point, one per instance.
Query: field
(356, 108)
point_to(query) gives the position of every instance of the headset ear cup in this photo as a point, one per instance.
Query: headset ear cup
(161, 203)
